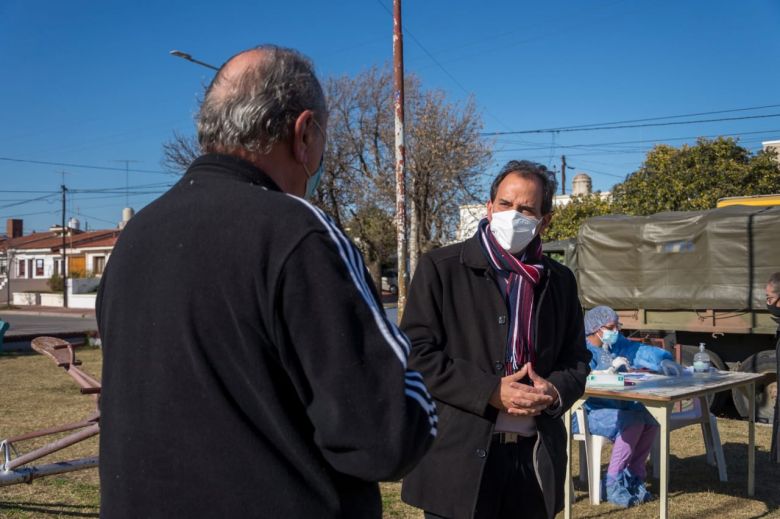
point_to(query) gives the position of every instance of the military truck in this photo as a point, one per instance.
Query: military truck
(688, 278)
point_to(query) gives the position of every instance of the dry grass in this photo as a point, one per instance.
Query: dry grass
(36, 394)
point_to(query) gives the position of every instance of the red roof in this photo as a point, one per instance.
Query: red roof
(50, 240)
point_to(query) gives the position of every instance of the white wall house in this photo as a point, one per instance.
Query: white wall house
(87, 254)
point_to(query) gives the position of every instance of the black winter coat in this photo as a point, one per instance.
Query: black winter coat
(249, 370)
(457, 321)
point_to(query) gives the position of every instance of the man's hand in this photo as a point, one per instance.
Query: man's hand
(516, 398)
(541, 383)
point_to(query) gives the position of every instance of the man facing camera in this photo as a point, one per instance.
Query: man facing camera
(497, 332)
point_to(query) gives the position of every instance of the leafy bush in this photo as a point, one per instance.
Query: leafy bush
(56, 283)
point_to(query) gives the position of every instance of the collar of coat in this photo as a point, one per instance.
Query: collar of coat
(231, 166)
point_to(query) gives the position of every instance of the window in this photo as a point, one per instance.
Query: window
(98, 264)
(22, 263)
(39, 268)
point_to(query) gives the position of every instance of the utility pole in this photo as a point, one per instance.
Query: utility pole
(8, 261)
(64, 254)
(563, 174)
(400, 175)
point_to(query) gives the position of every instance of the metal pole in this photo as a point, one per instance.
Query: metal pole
(64, 254)
(563, 174)
(400, 176)
(127, 179)
(8, 260)
(26, 475)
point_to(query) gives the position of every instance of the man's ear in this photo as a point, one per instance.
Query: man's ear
(490, 211)
(545, 222)
(301, 137)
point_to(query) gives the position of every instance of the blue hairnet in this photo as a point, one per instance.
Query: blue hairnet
(597, 317)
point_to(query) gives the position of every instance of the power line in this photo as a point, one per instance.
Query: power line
(592, 128)
(83, 166)
(79, 213)
(28, 214)
(697, 114)
(438, 64)
(22, 202)
(657, 140)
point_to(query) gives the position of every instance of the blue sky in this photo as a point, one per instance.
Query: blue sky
(92, 83)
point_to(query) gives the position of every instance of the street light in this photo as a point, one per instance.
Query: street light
(184, 55)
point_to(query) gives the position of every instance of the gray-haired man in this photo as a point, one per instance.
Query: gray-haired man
(249, 370)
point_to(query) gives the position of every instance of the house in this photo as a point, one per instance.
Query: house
(30, 261)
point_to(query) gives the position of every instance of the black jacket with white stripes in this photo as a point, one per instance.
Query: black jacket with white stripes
(249, 369)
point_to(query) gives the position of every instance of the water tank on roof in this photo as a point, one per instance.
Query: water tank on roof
(581, 185)
(127, 213)
(74, 223)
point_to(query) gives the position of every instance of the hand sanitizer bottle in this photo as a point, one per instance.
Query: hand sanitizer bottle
(701, 361)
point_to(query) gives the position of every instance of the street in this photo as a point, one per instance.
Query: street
(43, 324)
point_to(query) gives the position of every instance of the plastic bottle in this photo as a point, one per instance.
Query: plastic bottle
(701, 361)
(605, 360)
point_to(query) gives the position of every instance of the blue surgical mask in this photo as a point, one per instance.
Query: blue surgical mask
(313, 181)
(609, 337)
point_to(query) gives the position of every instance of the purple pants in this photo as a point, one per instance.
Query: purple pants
(632, 445)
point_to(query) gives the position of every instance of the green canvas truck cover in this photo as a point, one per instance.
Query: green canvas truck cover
(718, 259)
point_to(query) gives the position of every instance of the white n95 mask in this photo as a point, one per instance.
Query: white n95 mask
(513, 231)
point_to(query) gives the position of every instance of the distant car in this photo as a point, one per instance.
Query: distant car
(390, 281)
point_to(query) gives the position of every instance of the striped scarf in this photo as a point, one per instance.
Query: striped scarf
(521, 276)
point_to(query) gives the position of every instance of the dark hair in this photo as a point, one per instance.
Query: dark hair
(774, 280)
(528, 169)
(260, 108)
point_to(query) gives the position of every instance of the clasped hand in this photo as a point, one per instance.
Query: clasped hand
(517, 398)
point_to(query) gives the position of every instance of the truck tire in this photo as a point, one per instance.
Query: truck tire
(718, 401)
(766, 393)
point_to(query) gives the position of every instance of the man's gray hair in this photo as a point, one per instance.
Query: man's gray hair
(774, 280)
(528, 169)
(260, 106)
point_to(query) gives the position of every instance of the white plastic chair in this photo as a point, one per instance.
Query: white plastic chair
(709, 431)
(590, 457)
(591, 444)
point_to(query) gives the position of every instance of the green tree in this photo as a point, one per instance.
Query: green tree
(567, 219)
(694, 177)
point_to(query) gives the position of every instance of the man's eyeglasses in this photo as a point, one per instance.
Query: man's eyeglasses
(613, 326)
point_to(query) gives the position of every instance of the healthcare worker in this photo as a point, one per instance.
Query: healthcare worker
(628, 424)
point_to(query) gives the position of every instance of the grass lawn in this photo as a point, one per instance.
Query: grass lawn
(37, 394)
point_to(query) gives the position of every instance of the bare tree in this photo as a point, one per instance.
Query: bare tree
(179, 152)
(444, 159)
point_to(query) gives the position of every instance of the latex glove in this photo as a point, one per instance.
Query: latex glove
(620, 364)
(671, 368)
